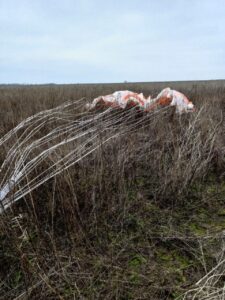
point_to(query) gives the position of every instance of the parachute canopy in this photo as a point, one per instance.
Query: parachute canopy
(127, 99)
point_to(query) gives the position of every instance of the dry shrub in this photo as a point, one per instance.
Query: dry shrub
(84, 234)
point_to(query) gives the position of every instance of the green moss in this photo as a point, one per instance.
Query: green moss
(136, 265)
(134, 278)
(174, 258)
(132, 194)
(176, 295)
(197, 229)
(137, 261)
(218, 225)
(211, 189)
(68, 291)
(184, 261)
(165, 257)
(18, 277)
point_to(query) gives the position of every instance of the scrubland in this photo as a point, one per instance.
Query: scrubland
(142, 217)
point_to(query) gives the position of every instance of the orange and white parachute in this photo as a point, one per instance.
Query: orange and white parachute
(128, 99)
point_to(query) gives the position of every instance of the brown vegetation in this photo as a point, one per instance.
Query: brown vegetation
(140, 218)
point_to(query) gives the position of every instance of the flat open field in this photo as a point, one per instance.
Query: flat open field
(142, 217)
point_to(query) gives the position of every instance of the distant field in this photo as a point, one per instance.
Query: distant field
(140, 218)
(20, 101)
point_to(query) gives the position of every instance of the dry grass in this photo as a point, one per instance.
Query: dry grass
(139, 218)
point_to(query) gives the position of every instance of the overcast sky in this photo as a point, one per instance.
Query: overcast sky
(77, 41)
